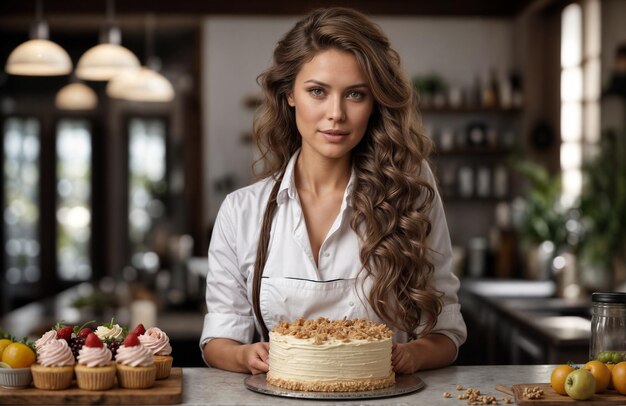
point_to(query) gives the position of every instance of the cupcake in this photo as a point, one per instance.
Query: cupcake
(159, 343)
(135, 365)
(54, 368)
(112, 334)
(95, 369)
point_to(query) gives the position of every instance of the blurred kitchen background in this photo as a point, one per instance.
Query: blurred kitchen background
(110, 184)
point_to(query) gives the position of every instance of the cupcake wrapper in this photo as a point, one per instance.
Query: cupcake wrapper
(163, 365)
(101, 378)
(136, 377)
(52, 378)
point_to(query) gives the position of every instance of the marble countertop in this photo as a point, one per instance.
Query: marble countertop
(208, 386)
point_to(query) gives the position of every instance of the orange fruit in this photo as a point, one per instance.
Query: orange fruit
(557, 379)
(610, 367)
(601, 372)
(3, 344)
(18, 355)
(618, 376)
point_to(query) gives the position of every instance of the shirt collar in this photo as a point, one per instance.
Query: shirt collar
(287, 189)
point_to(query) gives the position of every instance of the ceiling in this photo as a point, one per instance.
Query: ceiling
(17, 13)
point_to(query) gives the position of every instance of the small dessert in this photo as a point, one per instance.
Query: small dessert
(54, 368)
(159, 343)
(95, 369)
(135, 364)
(112, 335)
(330, 356)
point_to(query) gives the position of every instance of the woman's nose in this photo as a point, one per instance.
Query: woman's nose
(336, 109)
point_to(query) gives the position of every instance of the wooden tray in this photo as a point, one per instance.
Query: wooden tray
(164, 392)
(550, 397)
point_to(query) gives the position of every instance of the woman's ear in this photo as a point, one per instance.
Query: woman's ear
(290, 100)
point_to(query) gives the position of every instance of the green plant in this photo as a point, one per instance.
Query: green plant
(603, 202)
(544, 217)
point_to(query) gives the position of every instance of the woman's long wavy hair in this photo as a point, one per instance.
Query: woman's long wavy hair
(390, 199)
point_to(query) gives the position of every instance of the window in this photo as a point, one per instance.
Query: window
(73, 213)
(22, 245)
(580, 92)
(147, 188)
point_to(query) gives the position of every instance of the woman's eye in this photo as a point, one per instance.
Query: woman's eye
(356, 95)
(317, 92)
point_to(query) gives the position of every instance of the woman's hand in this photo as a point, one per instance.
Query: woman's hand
(234, 356)
(256, 357)
(404, 358)
(432, 351)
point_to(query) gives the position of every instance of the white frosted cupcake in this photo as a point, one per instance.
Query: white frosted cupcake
(134, 363)
(159, 343)
(54, 368)
(95, 369)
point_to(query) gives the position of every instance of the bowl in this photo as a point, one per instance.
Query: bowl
(15, 378)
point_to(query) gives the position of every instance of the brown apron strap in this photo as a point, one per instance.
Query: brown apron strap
(261, 255)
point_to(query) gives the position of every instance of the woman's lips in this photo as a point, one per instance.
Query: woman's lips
(334, 135)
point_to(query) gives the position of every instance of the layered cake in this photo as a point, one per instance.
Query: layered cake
(330, 356)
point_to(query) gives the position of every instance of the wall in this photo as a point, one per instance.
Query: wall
(237, 49)
(613, 34)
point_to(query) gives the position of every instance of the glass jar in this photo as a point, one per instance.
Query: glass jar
(608, 327)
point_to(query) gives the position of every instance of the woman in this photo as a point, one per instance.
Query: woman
(346, 221)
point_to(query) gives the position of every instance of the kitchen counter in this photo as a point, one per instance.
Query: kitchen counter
(208, 386)
(521, 322)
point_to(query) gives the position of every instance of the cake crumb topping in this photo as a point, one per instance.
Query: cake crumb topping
(322, 329)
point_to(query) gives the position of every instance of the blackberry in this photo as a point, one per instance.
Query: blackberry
(113, 346)
(76, 343)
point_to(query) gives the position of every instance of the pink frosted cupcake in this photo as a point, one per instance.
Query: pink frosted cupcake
(134, 363)
(95, 369)
(54, 368)
(159, 343)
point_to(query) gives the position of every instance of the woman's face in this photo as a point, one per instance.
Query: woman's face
(332, 103)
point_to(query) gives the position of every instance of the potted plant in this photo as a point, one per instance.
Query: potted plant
(603, 212)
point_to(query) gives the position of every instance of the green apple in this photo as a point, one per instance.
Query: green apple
(580, 384)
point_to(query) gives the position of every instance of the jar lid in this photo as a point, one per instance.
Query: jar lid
(608, 297)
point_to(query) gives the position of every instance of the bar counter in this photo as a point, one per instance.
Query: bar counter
(208, 386)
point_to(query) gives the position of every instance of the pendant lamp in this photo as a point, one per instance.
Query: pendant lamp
(76, 96)
(145, 84)
(109, 58)
(39, 56)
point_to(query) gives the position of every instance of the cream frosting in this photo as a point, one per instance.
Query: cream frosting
(94, 356)
(135, 356)
(115, 332)
(156, 341)
(56, 353)
(47, 337)
(332, 361)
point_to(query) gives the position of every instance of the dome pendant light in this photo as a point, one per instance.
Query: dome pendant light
(76, 96)
(109, 58)
(146, 84)
(39, 56)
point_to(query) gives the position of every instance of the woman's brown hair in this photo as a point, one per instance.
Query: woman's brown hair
(390, 199)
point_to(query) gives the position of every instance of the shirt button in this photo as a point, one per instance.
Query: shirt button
(327, 254)
(351, 304)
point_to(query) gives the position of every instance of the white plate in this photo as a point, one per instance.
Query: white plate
(404, 384)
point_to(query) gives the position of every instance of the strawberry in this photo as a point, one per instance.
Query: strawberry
(84, 332)
(131, 340)
(92, 340)
(139, 330)
(65, 333)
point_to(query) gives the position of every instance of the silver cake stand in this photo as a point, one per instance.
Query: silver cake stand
(404, 384)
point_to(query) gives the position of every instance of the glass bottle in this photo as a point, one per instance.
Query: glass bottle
(608, 326)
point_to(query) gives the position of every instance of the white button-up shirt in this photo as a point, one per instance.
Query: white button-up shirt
(292, 285)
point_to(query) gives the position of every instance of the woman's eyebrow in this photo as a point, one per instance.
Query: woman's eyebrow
(320, 83)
